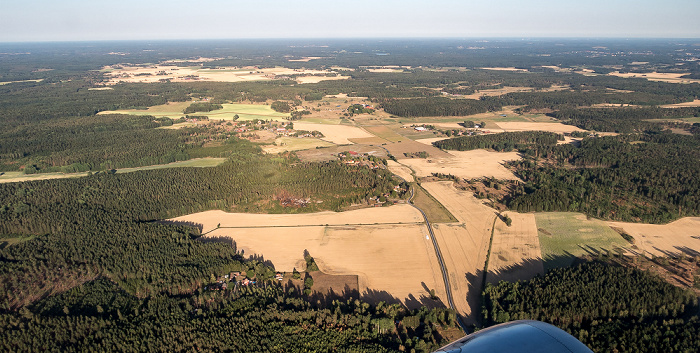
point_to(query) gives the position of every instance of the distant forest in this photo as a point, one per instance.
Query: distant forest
(85, 264)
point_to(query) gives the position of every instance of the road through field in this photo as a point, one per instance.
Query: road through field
(463, 245)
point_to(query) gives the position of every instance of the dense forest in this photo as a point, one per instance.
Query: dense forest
(264, 318)
(622, 120)
(610, 309)
(637, 177)
(505, 142)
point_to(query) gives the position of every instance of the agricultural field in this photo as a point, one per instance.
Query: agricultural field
(515, 251)
(679, 237)
(399, 149)
(505, 90)
(337, 134)
(385, 247)
(463, 244)
(531, 126)
(160, 73)
(566, 235)
(669, 77)
(284, 144)
(695, 103)
(11, 177)
(331, 153)
(401, 213)
(400, 170)
(435, 212)
(385, 132)
(464, 164)
(175, 111)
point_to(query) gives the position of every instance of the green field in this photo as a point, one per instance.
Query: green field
(244, 111)
(567, 235)
(434, 210)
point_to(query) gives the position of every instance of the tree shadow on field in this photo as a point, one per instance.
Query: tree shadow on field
(190, 224)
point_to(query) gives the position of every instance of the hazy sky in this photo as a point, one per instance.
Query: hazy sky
(67, 20)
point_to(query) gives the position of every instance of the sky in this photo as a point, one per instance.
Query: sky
(87, 20)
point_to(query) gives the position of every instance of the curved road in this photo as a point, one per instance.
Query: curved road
(445, 278)
(438, 254)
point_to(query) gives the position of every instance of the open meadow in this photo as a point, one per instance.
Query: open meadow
(567, 235)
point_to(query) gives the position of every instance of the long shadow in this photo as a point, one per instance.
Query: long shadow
(195, 225)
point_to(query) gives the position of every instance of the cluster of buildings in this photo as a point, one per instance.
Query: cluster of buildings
(223, 282)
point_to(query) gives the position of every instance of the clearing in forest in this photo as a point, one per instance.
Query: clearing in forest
(400, 170)
(530, 126)
(175, 111)
(679, 237)
(11, 177)
(385, 247)
(567, 235)
(465, 164)
(463, 244)
(515, 252)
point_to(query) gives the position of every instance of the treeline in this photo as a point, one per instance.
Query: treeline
(610, 309)
(638, 177)
(201, 107)
(263, 318)
(438, 106)
(622, 120)
(507, 141)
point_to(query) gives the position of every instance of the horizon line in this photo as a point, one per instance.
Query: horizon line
(353, 38)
